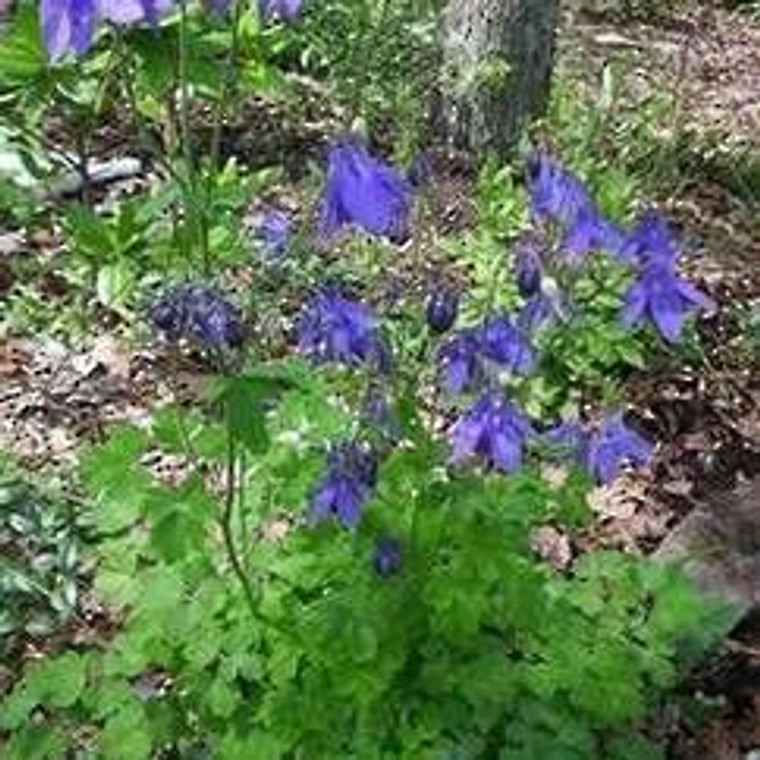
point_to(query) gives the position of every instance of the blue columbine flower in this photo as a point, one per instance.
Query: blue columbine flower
(569, 439)
(615, 446)
(604, 452)
(663, 298)
(363, 191)
(275, 231)
(466, 359)
(493, 429)
(536, 313)
(284, 10)
(588, 232)
(556, 194)
(559, 196)
(347, 486)
(388, 556)
(650, 242)
(460, 361)
(129, 12)
(337, 329)
(441, 310)
(200, 313)
(506, 345)
(69, 25)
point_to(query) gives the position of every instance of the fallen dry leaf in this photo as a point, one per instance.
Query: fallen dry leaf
(552, 545)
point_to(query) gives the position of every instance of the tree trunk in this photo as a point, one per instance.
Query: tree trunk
(497, 64)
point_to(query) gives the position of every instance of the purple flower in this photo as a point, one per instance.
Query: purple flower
(506, 345)
(603, 453)
(342, 496)
(536, 312)
(169, 316)
(388, 556)
(363, 191)
(467, 357)
(347, 485)
(460, 361)
(198, 312)
(650, 242)
(555, 193)
(528, 268)
(336, 329)
(588, 232)
(570, 439)
(275, 232)
(614, 446)
(284, 10)
(216, 323)
(69, 25)
(663, 298)
(493, 429)
(130, 12)
(441, 310)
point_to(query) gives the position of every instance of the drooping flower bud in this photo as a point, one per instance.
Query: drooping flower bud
(388, 556)
(441, 311)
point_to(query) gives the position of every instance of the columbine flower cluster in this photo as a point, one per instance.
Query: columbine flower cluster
(473, 355)
(563, 211)
(493, 429)
(602, 452)
(69, 26)
(199, 313)
(659, 295)
(364, 192)
(337, 329)
(558, 197)
(347, 486)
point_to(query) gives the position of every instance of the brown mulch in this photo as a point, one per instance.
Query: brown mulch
(707, 60)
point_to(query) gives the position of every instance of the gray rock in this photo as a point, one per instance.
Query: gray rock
(718, 546)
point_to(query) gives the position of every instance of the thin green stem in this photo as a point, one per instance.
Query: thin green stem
(242, 521)
(194, 212)
(184, 104)
(227, 530)
(230, 72)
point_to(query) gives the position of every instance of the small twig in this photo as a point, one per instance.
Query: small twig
(740, 647)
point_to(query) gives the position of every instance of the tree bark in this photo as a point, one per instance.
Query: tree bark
(497, 65)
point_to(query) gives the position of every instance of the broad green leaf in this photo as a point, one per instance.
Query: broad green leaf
(126, 736)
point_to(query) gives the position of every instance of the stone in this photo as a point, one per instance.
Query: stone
(718, 545)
